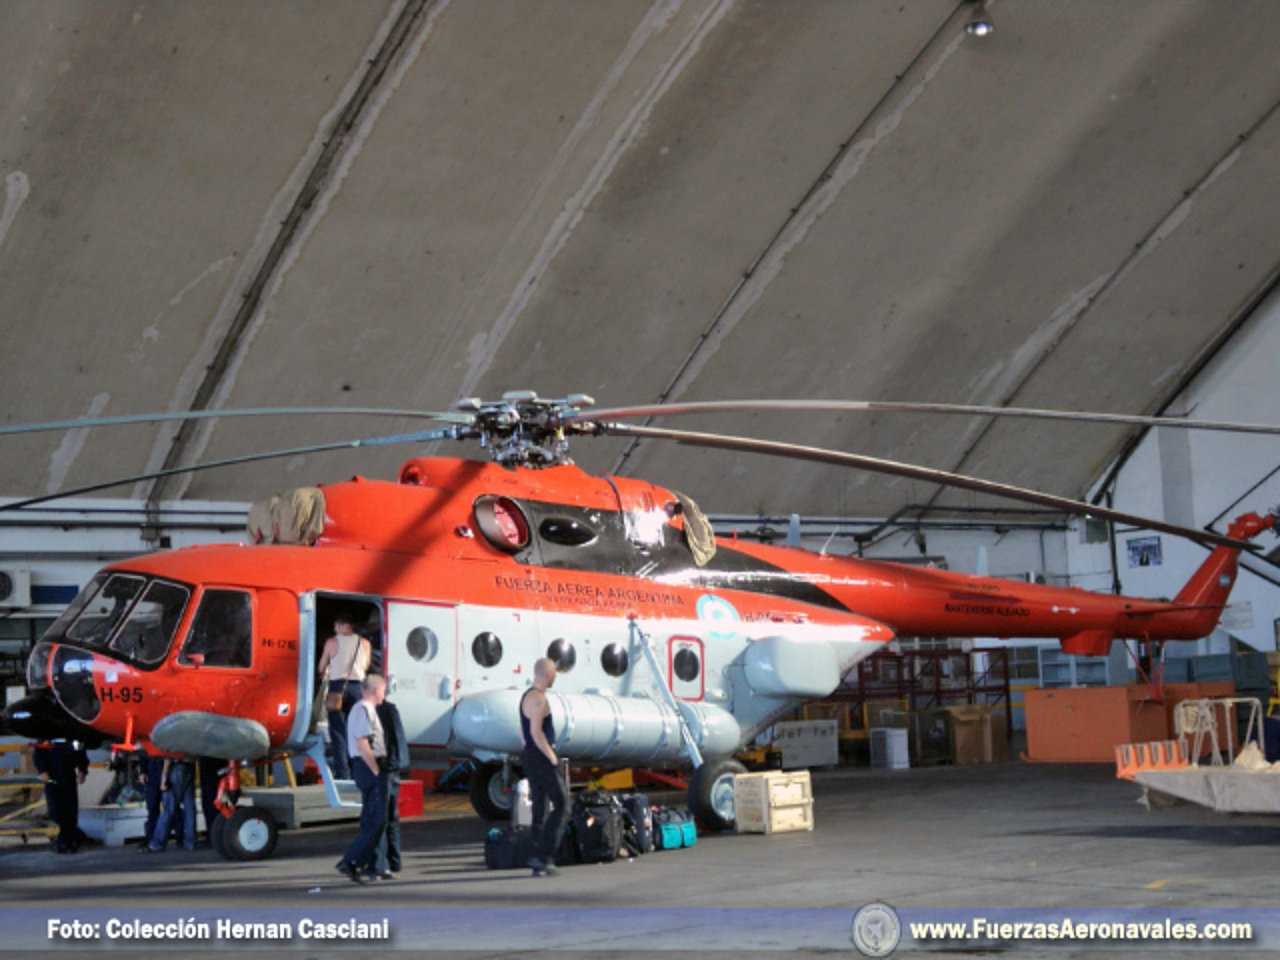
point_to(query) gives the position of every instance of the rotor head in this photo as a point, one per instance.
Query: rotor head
(522, 429)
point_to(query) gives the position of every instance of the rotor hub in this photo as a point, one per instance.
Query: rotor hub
(524, 430)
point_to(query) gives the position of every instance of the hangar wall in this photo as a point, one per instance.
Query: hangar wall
(1206, 479)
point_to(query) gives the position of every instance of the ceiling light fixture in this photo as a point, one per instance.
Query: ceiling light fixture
(979, 24)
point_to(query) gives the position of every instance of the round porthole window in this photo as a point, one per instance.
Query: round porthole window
(421, 643)
(562, 652)
(487, 649)
(686, 665)
(614, 659)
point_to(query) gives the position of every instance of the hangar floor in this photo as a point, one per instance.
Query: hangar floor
(1006, 836)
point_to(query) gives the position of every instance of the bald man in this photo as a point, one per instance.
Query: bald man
(541, 767)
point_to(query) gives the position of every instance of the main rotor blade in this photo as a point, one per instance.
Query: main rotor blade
(877, 406)
(218, 414)
(425, 436)
(897, 469)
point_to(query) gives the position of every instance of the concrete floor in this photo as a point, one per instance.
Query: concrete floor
(952, 842)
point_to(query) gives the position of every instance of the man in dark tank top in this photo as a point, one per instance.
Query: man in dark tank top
(541, 767)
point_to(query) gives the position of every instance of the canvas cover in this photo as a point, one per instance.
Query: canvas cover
(295, 517)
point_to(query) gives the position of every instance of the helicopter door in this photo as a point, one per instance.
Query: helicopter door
(684, 667)
(422, 661)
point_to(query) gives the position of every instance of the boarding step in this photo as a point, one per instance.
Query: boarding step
(1153, 755)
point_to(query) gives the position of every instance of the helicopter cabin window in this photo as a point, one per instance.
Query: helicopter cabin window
(564, 655)
(422, 643)
(146, 635)
(487, 649)
(103, 612)
(614, 659)
(221, 634)
(686, 665)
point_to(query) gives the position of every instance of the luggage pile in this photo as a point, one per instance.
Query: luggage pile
(601, 826)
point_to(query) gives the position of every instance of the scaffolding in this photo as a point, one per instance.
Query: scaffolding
(914, 689)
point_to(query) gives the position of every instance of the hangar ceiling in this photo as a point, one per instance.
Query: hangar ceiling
(398, 204)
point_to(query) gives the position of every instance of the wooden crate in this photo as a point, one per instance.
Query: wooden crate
(773, 802)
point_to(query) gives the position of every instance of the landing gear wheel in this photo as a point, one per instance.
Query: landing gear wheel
(711, 793)
(218, 836)
(250, 834)
(490, 797)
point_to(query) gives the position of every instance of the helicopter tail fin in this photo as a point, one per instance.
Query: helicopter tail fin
(1205, 595)
(1210, 586)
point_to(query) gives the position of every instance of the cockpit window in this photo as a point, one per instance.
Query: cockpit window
(146, 635)
(100, 615)
(68, 617)
(221, 634)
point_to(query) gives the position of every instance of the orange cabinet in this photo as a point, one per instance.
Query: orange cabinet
(1084, 724)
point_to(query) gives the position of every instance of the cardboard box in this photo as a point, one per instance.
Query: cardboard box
(978, 734)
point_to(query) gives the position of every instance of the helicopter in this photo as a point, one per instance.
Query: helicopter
(674, 647)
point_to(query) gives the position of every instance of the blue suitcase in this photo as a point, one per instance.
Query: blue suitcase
(637, 822)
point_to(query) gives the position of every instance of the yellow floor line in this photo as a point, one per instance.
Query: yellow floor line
(1160, 884)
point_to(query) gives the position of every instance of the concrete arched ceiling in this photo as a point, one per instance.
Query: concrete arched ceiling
(396, 204)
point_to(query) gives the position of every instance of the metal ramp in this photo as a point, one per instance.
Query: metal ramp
(1207, 764)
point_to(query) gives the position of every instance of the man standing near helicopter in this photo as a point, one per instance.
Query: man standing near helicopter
(542, 768)
(367, 747)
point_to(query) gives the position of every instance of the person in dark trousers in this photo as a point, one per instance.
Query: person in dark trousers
(151, 774)
(177, 797)
(366, 749)
(346, 657)
(542, 768)
(210, 774)
(62, 766)
(387, 861)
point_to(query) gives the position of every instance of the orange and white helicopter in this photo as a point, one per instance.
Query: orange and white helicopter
(674, 647)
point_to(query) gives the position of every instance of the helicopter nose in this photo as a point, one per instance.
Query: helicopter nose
(38, 716)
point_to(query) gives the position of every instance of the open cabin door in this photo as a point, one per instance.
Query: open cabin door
(422, 661)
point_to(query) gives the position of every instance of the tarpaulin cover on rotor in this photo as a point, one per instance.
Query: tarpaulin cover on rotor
(294, 517)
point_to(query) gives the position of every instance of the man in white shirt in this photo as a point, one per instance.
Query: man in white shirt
(367, 747)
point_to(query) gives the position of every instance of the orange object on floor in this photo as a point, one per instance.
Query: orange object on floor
(1086, 724)
(410, 801)
(1157, 755)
